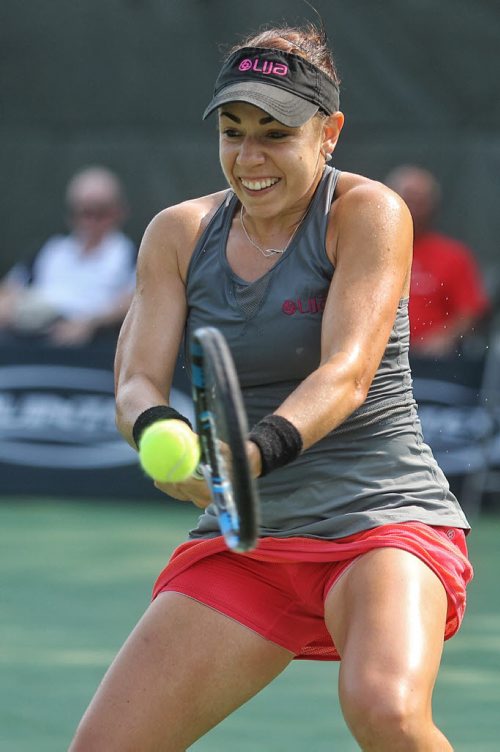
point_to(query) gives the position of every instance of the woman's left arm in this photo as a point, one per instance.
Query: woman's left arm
(372, 251)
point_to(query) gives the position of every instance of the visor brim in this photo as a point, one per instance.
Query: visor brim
(285, 107)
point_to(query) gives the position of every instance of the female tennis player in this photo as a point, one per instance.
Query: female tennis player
(361, 556)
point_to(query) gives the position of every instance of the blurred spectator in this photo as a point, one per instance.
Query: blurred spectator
(447, 296)
(80, 283)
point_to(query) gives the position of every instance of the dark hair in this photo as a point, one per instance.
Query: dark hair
(309, 41)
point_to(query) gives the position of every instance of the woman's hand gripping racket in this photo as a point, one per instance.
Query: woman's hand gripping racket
(222, 428)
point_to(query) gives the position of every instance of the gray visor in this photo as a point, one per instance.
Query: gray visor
(286, 86)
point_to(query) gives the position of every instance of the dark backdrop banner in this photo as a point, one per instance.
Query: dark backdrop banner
(124, 83)
(57, 424)
(58, 435)
(456, 421)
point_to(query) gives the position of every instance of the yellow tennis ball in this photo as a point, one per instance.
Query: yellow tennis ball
(169, 451)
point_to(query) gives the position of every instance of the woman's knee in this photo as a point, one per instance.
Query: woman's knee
(384, 714)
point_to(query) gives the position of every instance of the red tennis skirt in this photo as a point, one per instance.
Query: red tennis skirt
(279, 589)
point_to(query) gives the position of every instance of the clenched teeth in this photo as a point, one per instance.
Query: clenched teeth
(259, 185)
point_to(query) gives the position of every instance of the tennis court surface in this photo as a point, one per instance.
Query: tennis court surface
(75, 577)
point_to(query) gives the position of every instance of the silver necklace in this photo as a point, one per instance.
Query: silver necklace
(267, 252)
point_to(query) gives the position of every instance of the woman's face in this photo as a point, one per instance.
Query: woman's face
(271, 167)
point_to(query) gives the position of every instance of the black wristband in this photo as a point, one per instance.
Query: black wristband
(151, 415)
(278, 440)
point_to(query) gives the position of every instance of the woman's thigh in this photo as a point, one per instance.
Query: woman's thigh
(387, 616)
(183, 669)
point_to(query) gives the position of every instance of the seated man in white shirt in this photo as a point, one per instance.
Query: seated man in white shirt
(80, 283)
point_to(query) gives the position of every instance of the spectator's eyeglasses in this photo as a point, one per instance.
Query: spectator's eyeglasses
(96, 211)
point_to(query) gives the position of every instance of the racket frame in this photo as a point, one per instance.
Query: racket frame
(234, 494)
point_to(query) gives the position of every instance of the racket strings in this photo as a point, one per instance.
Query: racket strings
(220, 418)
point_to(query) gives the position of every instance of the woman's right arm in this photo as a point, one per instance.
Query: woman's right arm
(151, 334)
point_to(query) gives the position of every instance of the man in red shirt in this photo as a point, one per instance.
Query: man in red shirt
(447, 295)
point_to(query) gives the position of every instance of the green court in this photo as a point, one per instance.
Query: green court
(75, 576)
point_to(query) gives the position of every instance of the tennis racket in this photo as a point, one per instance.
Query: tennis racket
(221, 425)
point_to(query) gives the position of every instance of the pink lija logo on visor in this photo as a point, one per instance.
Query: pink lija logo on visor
(267, 67)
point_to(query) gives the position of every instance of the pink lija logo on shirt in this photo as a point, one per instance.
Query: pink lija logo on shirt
(311, 305)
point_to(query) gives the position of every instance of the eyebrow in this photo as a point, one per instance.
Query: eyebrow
(263, 121)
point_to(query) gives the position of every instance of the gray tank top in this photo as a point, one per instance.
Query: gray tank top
(374, 468)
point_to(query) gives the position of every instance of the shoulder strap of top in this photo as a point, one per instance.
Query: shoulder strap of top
(216, 224)
(331, 186)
